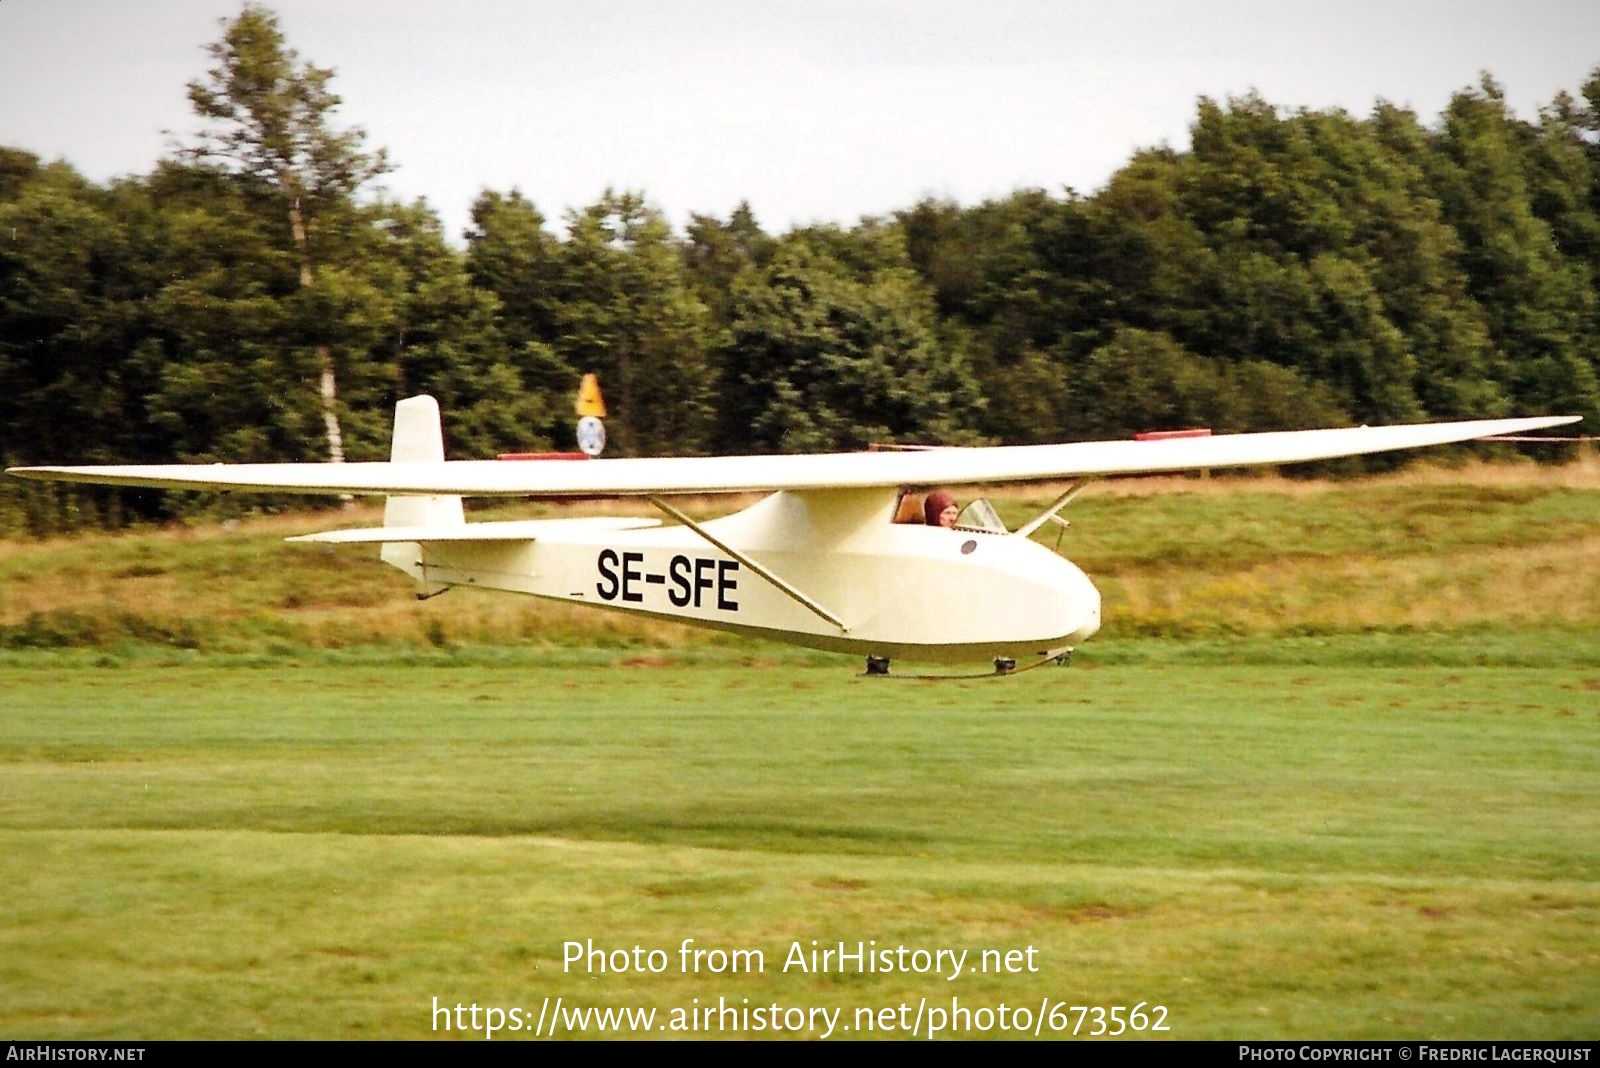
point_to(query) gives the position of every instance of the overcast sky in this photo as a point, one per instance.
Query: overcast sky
(823, 110)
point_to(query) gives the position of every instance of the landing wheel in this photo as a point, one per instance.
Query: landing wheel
(1004, 665)
(877, 665)
(1062, 659)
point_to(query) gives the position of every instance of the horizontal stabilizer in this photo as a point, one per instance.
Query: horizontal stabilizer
(510, 530)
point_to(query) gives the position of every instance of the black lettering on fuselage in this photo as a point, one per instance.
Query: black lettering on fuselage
(607, 586)
(631, 574)
(678, 571)
(726, 584)
(691, 581)
(702, 578)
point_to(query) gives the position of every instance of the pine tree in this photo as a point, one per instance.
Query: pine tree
(267, 118)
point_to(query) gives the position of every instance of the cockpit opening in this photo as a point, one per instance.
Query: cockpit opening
(978, 515)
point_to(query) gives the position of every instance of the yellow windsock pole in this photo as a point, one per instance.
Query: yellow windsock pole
(591, 409)
(590, 402)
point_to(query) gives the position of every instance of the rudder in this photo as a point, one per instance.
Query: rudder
(418, 439)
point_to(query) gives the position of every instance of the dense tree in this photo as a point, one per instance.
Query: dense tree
(837, 355)
(267, 120)
(511, 255)
(497, 393)
(70, 277)
(16, 167)
(223, 348)
(1538, 302)
(249, 301)
(715, 252)
(626, 312)
(1141, 380)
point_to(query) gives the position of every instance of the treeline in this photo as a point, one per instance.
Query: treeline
(249, 300)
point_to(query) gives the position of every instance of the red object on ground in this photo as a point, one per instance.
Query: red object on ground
(1163, 435)
(542, 456)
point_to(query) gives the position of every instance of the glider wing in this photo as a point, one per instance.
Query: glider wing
(663, 476)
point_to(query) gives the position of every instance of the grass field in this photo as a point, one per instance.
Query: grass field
(318, 851)
(1333, 771)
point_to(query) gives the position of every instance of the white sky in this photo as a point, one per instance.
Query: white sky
(823, 110)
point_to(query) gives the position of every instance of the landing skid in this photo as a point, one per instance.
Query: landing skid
(1004, 667)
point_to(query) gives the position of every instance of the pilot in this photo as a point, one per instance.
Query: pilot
(939, 509)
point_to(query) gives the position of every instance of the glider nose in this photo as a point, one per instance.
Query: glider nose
(1089, 608)
(1080, 603)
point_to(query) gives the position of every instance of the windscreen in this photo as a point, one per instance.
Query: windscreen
(980, 515)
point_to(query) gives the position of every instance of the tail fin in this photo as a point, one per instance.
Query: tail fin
(418, 439)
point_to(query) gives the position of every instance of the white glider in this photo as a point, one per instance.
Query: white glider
(818, 562)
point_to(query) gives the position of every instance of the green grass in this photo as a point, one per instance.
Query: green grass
(1331, 770)
(196, 847)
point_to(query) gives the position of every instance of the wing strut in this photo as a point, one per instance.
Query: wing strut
(1055, 506)
(759, 569)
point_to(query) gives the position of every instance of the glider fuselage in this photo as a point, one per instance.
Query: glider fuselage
(874, 588)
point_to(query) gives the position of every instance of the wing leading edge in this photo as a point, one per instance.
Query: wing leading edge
(662, 476)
